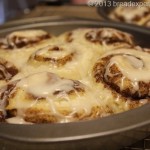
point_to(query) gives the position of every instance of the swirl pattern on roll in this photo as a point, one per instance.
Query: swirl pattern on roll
(20, 39)
(109, 36)
(7, 70)
(99, 37)
(45, 97)
(54, 55)
(127, 71)
(69, 61)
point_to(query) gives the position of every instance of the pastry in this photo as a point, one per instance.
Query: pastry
(67, 60)
(80, 75)
(24, 38)
(7, 71)
(131, 14)
(17, 46)
(125, 72)
(45, 98)
(98, 39)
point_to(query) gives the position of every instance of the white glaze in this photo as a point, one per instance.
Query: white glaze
(17, 120)
(134, 64)
(45, 84)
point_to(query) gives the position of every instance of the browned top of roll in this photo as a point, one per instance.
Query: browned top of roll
(20, 39)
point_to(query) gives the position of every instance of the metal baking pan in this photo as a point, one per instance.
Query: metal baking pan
(113, 132)
(35, 20)
(107, 7)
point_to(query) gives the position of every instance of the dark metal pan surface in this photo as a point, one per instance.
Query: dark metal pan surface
(111, 132)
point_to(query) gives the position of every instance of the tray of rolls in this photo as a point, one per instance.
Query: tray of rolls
(135, 12)
(67, 83)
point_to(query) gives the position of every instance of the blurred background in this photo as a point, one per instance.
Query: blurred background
(10, 9)
(16, 9)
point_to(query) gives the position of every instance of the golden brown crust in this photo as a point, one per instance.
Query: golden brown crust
(108, 36)
(7, 70)
(98, 39)
(46, 58)
(39, 116)
(112, 76)
(21, 39)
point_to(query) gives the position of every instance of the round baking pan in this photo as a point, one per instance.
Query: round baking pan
(112, 132)
(108, 6)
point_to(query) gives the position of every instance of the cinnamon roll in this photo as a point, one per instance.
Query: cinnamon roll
(55, 55)
(46, 98)
(126, 72)
(132, 14)
(7, 71)
(98, 39)
(19, 45)
(24, 38)
(71, 61)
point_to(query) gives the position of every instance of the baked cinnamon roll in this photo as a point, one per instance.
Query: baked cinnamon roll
(19, 45)
(132, 14)
(54, 55)
(125, 71)
(24, 38)
(7, 71)
(70, 61)
(98, 39)
(108, 36)
(47, 98)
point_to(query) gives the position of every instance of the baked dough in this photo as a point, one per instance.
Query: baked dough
(98, 39)
(132, 14)
(25, 38)
(123, 76)
(7, 71)
(51, 99)
(75, 76)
